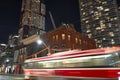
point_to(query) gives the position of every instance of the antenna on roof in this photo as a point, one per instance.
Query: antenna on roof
(53, 23)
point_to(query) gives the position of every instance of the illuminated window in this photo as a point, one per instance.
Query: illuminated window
(112, 41)
(81, 3)
(76, 39)
(53, 37)
(109, 24)
(80, 41)
(83, 19)
(84, 42)
(20, 51)
(115, 18)
(89, 35)
(56, 37)
(88, 31)
(69, 37)
(96, 18)
(111, 34)
(111, 19)
(97, 14)
(63, 36)
(84, 13)
(98, 28)
(102, 25)
(91, 12)
(86, 21)
(117, 30)
(107, 9)
(89, 3)
(87, 26)
(99, 46)
(34, 17)
(100, 8)
(104, 38)
(102, 29)
(25, 50)
(96, 40)
(116, 25)
(81, 9)
(38, 1)
(106, 14)
(104, 2)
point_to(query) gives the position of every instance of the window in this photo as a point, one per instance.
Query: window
(55, 47)
(99, 46)
(100, 8)
(111, 34)
(104, 38)
(84, 13)
(98, 28)
(56, 37)
(63, 46)
(115, 18)
(104, 2)
(80, 41)
(86, 21)
(53, 37)
(89, 35)
(109, 24)
(76, 40)
(69, 37)
(112, 41)
(63, 36)
(88, 31)
(107, 9)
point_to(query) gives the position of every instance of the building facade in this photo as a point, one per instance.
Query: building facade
(32, 18)
(100, 21)
(13, 40)
(66, 38)
(32, 25)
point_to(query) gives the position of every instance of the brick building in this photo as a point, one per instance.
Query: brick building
(66, 37)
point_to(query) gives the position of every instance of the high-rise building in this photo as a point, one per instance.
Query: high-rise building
(13, 40)
(100, 21)
(32, 18)
(119, 11)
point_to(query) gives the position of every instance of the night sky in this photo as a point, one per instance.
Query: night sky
(9, 18)
(63, 11)
(66, 11)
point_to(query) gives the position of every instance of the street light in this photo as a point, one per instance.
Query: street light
(41, 42)
(7, 60)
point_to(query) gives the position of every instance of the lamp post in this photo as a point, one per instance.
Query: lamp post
(41, 42)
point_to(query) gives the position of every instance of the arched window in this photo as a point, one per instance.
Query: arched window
(63, 46)
(55, 47)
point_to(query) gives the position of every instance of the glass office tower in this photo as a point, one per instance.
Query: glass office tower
(100, 21)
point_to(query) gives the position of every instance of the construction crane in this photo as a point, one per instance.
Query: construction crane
(53, 23)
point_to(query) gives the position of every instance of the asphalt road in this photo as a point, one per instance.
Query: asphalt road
(21, 77)
(11, 77)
